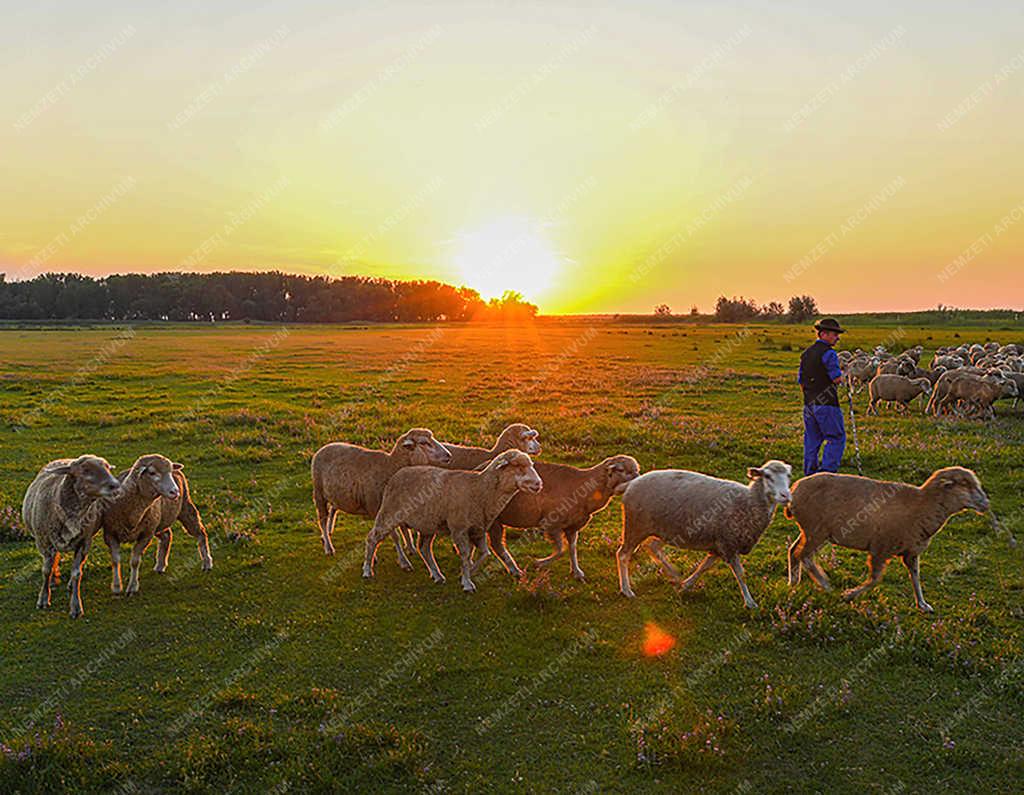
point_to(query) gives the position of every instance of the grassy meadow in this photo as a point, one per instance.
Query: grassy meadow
(282, 670)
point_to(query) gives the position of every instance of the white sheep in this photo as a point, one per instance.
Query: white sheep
(696, 511)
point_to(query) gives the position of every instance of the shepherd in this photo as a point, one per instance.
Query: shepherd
(820, 376)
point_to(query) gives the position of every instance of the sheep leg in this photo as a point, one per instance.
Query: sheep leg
(877, 566)
(793, 560)
(912, 562)
(622, 556)
(403, 561)
(737, 571)
(136, 562)
(163, 550)
(479, 541)
(193, 524)
(327, 520)
(556, 542)
(49, 564)
(701, 567)
(461, 540)
(801, 558)
(75, 580)
(425, 546)
(572, 535)
(496, 537)
(373, 539)
(115, 566)
(407, 538)
(656, 550)
(814, 571)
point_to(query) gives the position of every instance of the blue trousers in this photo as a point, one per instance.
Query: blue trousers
(823, 424)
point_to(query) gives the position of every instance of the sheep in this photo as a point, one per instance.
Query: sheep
(978, 394)
(901, 365)
(351, 479)
(432, 500)
(515, 437)
(570, 497)
(860, 371)
(896, 388)
(62, 509)
(884, 518)
(695, 511)
(154, 494)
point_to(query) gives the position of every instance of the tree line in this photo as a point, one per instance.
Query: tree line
(271, 296)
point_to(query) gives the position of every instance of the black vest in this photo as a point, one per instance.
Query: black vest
(815, 381)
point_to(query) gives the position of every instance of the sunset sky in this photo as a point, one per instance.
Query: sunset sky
(597, 157)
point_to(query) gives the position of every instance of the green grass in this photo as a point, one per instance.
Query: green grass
(283, 668)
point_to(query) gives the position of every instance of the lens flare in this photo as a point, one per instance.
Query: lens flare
(656, 640)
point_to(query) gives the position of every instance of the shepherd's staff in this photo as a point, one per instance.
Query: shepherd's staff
(853, 425)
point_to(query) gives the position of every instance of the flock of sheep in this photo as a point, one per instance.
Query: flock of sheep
(423, 488)
(964, 381)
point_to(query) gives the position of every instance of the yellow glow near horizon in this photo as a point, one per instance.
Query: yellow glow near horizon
(508, 253)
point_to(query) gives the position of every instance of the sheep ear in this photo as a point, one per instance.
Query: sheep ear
(408, 443)
(62, 469)
(754, 472)
(177, 467)
(502, 463)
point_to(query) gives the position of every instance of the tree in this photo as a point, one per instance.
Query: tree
(736, 310)
(774, 310)
(663, 310)
(802, 308)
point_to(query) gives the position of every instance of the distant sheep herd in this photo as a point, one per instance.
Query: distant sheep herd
(964, 381)
(423, 488)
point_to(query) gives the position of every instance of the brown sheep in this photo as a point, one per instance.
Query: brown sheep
(154, 494)
(515, 437)
(884, 518)
(896, 389)
(431, 500)
(62, 509)
(978, 394)
(351, 479)
(571, 496)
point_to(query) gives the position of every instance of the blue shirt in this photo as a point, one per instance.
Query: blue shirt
(831, 361)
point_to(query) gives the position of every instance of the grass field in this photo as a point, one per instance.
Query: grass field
(282, 670)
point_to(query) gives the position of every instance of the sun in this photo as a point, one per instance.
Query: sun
(508, 253)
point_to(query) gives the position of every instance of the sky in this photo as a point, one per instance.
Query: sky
(596, 157)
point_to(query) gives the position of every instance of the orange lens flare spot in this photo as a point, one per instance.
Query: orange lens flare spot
(656, 640)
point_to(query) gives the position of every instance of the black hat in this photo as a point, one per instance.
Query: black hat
(829, 324)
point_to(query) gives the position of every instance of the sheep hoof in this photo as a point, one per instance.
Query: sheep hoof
(579, 575)
(850, 595)
(76, 611)
(116, 590)
(161, 569)
(628, 593)
(751, 605)
(207, 565)
(405, 566)
(469, 587)
(924, 607)
(440, 579)
(41, 605)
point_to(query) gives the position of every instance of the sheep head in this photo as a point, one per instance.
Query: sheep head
(519, 436)
(91, 474)
(924, 384)
(155, 476)
(620, 469)
(958, 488)
(775, 477)
(420, 448)
(514, 467)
